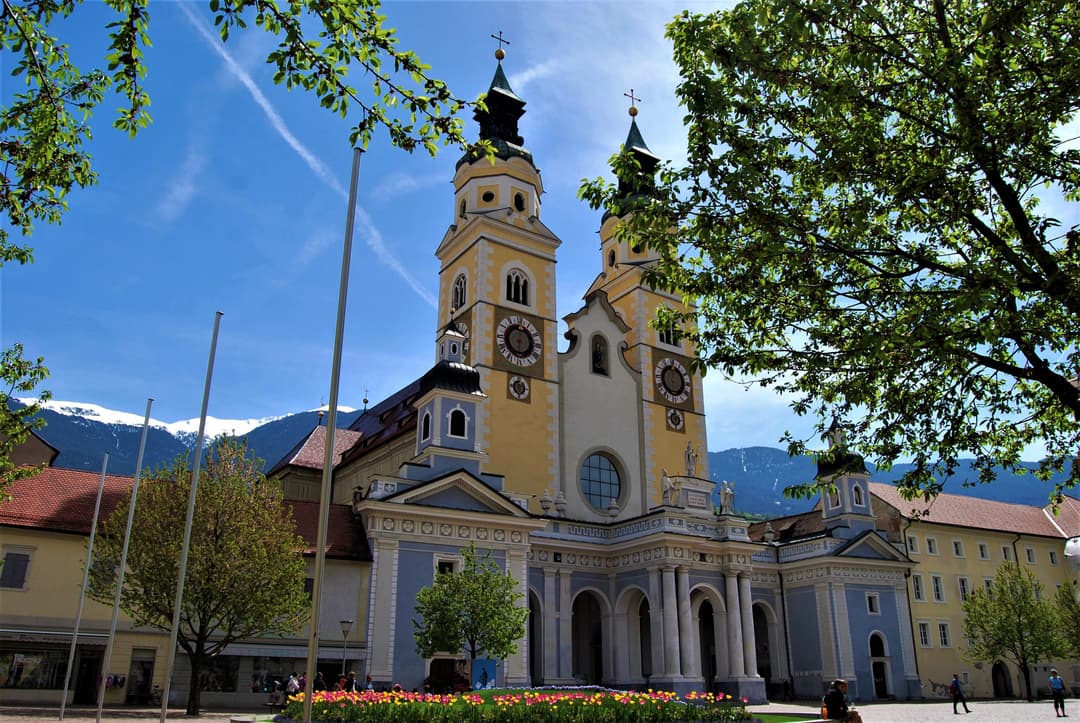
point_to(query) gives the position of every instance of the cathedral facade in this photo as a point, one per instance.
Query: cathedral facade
(584, 473)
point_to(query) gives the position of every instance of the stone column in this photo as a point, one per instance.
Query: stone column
(687, 626)
(383, 606)
(736, 666)
(550, 634)
(566, 629)
(749, 641)
(671, 624)
(517, 665)
(656, 624)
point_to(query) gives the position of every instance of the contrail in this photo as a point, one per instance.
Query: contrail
(368, 230)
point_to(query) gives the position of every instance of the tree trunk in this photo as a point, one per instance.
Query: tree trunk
(1026, 670)
(194, 693)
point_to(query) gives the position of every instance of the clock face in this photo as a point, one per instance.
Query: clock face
(675, 419)
(672, 380)
(519, 387)
(518, 341)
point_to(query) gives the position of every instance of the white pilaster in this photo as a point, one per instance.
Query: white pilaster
(736, 664)
(749, 639)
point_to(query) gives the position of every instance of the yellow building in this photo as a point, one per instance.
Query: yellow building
(44, 531)
(958, 543)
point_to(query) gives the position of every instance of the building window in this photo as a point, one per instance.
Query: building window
(924, 634)
(988, 585)
(913, 544)
(856, 492)
(517, 287)
(1053, 557)
(425, 427)
(917, 588)
(600, 483)
(16, 568)
(938, 587)
(457, 295)
(964, 590)
(457, 423)
(669, 335)
(943, 635)
(957, 548)
(872, 603)
(984, 551)
(931, 546)
(1005, 553)
(1030, 552)
(834, 497)
(445, 567)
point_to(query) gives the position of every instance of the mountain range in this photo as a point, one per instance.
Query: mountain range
(84, 432)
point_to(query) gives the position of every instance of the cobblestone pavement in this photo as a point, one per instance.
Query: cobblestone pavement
(993, 711)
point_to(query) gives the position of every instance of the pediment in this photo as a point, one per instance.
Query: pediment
(871, 545)
(458, 490)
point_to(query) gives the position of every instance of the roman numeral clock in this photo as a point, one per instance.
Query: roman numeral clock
(518, 341)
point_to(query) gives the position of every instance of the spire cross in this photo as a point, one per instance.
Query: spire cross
(633, 98)
(500, 53)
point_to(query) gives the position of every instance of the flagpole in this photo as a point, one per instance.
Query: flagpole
(107, 660)
(82, 593)
(328, 452)
(170, 653)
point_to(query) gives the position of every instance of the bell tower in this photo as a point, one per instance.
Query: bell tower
(673, 412)
(497, 284)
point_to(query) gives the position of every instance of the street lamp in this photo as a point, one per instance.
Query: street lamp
(346, 626)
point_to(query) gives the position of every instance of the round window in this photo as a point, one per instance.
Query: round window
(487, 196)
(600, 483)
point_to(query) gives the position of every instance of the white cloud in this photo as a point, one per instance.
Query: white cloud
(319, 240)
(182, 188)
(399, 184)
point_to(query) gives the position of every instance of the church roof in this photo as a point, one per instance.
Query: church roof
(451, 376)
(310, 452)
(62, 500)
(790, 528)
(965, 511)
(385, 421)
(499, 121)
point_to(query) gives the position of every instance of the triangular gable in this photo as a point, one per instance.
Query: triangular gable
(458, 490)
(870, 545)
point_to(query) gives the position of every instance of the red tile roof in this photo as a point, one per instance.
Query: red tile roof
(964, 511)
(1068, 516)
(311, 452)
(62, 500)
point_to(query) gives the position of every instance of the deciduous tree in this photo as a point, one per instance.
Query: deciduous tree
(1014, 621)
(16, 419)
(245, 570)
(870, 219)
(473, 609)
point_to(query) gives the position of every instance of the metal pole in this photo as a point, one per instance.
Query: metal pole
(344, 650)
(170, 653)
(328, 457)
(85, 580)
(123, 558)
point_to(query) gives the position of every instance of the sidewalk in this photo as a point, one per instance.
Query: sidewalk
(914, 712)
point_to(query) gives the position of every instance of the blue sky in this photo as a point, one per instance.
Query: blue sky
(234, 199)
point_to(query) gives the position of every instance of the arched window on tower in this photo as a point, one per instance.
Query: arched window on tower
(458, 293)
(670, 335)
(517, 287)
(599, 355)
(856, 493)
(425, 427)
(457, 423)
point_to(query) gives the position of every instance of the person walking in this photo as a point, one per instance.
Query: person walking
(1058, 691)
(957, 691)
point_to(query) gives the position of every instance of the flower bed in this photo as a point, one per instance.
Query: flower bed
(593, 705)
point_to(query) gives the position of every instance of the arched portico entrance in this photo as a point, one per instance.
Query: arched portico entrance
(588, 639)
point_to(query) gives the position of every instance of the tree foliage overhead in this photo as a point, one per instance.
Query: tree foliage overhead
(1013, 620)
(245, 570)
(474, 608)
(1069, 617)
(870, 219)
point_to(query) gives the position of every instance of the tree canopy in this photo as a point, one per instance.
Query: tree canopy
(245, 571)
(1013, 620)
(473, 609)
(869, 220)
(17, 421)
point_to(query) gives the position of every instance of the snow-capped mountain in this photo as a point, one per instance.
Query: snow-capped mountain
(214, 427)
